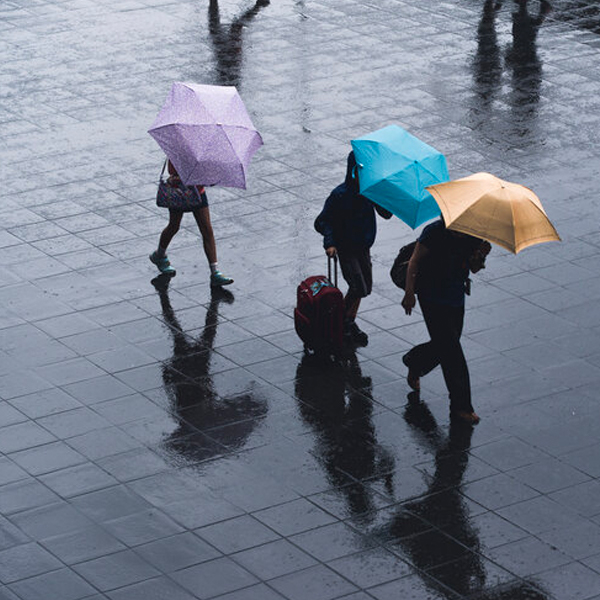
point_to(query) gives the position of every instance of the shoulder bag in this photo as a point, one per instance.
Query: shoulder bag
(175, 195)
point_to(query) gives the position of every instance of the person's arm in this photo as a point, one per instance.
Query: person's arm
(174, 178)
(477, 258)
(416, 260)
(324, 225)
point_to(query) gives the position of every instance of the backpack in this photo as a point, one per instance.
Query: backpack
(400, 266)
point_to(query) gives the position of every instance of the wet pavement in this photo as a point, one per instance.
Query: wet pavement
(162, 442)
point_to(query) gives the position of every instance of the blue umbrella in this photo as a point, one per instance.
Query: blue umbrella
(394, 168)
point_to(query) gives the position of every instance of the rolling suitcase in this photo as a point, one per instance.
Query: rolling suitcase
(319, 313)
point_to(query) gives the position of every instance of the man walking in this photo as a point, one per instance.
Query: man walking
(438, 272)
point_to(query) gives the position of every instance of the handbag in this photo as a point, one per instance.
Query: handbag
(400, 266)
(175, 195)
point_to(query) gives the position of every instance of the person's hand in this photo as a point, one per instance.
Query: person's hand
(331, 251)
(408, 302)
(477, 259)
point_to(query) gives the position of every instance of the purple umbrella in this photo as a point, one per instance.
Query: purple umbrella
(207, 134)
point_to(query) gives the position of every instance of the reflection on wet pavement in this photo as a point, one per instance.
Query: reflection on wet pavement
(520, 60)
(162, 440)
(227, 41)
(200, 413)
(335, 401)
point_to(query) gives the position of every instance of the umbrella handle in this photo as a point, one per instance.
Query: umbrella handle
(333, 258)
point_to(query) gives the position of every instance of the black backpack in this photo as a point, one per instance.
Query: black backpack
(400, 266)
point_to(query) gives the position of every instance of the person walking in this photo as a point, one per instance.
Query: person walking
(438, 273)
(202, 217)
(347, 224)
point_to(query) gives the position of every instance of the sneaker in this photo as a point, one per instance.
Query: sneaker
(217, 279)
(359, 337)
(163, 264)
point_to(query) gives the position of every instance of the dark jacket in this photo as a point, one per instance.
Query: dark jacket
(446, 271)
(347, 220)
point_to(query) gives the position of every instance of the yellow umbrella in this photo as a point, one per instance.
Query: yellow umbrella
(487, 207)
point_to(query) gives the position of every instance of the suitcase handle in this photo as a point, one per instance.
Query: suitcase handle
(333, 258)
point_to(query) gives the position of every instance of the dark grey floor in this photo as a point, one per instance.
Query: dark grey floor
(172, 445)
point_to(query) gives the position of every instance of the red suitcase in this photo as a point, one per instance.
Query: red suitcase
(319, 313)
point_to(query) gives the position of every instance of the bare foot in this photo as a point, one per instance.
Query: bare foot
(467, 417)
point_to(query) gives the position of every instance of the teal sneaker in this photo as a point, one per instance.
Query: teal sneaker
(217, 279)
(163, 264)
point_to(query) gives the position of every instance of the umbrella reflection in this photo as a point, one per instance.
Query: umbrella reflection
(208, 425)
(228, 41)
(435, 528)
(335, 401)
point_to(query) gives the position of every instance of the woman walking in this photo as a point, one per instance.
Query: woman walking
(201, 213)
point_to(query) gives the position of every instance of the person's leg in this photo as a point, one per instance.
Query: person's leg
(168, 233)
(365, 276)
(159, 256)
(202, 216)
(445, 325)
(351, 306)
(460, 385)
(356, 270)
(423, 358)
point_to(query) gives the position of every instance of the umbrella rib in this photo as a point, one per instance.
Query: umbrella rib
(220, 126)
(543, 213)
(418, 179)
(160, 127)
(428, 170)
(514, 229)
(197, 97)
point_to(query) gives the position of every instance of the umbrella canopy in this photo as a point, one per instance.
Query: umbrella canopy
(490, 208)
(207, 134)
(395, 167)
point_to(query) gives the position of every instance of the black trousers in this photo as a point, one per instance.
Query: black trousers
(444, 324)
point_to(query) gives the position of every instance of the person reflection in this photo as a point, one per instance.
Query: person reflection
(335, 400)
(443, 506)
(418, 529)
(487, 64)
(227, 41)
(207, 424)
(523, 60)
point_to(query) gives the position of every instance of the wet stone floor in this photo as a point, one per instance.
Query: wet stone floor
(162, 442)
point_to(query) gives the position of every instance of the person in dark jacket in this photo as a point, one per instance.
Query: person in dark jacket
(438, 272)
(347, 223)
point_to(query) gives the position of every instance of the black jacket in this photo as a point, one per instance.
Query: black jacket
(347, 220)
